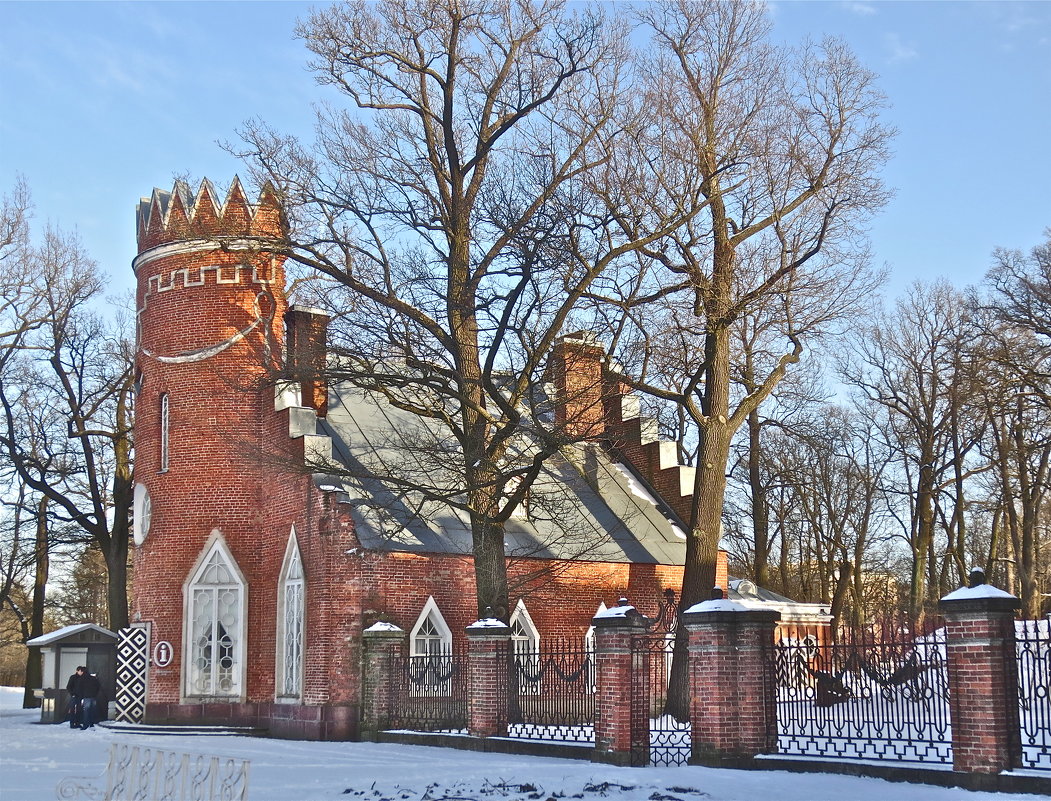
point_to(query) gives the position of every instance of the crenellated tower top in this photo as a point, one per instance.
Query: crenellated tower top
(181, 215)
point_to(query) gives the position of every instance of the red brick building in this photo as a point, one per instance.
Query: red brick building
(262, 575)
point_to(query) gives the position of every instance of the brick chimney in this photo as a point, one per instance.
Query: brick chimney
(576, 369)
(307, 338)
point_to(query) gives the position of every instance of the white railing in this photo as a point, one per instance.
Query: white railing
(138, 773)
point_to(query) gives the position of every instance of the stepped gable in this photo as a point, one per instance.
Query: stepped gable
(635, 438)
(597, 403)
(180, 215)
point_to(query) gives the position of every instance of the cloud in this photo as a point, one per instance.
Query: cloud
(899, 50)
(861, 9)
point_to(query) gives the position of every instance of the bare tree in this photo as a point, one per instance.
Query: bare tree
(775, 152)
(912, 363)
(1022, 287)
(65, 397)
(791, 406)
(452, 211)
(1015, 350)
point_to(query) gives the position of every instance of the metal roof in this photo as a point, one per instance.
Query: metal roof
(581, 507)
(69, 633)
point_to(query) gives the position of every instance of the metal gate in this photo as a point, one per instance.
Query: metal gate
(553, 692)
(1034, 691)
(658, 736)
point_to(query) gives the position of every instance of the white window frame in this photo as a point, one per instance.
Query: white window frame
(433, 613)
(141, 513)
(216, 545)
(165, 433)
(291, 625)
(529, 638)
(525, 643)
(589, 644)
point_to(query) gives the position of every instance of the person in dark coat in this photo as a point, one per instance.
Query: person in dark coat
(89, 691)
(73, 708)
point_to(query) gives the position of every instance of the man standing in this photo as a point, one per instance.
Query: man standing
(89, 690)
(73, 687)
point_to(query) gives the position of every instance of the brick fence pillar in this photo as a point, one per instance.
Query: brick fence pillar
(733, 708)
(382, 643)
(983, 677)
(621, 727)
(488, 655)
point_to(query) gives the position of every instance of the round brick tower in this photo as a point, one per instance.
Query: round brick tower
(210, 302)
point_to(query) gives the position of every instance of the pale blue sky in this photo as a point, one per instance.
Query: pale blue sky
(100, 102)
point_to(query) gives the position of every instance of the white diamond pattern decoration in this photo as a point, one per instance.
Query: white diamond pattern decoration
(132, 663)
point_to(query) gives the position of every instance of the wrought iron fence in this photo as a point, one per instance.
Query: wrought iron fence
(429, 692)
(553, 694)
(865, 697)
(667, 740)
(1033, 638)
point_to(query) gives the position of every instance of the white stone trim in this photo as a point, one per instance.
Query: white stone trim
(589, 635)
(522, 616)
(431, 610)
(141, 514)
(186, 246)
(165, 413)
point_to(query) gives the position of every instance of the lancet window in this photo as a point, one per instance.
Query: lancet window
(215, 619)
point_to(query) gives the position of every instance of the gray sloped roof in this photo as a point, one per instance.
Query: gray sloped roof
(582, 507)
(71, 633)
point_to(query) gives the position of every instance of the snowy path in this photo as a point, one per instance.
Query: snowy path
(34, 757)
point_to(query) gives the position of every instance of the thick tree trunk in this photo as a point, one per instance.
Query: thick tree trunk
(709, 491)
(115, 552)
(924, 537)
(490, 569)
(1031, 479)
(42, 560)
(839, 595)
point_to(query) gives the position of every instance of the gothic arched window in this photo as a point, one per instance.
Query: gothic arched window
(215, 619)
(525, 640)
(430, 635)
(524, 635)
(291, 587)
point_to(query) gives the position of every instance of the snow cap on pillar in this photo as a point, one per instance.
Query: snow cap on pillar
(621, 614)
(717, 603)
(382, 627)
(977, 588)
(488, 625)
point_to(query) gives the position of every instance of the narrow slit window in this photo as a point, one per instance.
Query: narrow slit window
(164, 433)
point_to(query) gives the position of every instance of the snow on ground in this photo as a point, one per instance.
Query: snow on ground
(35, 757)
